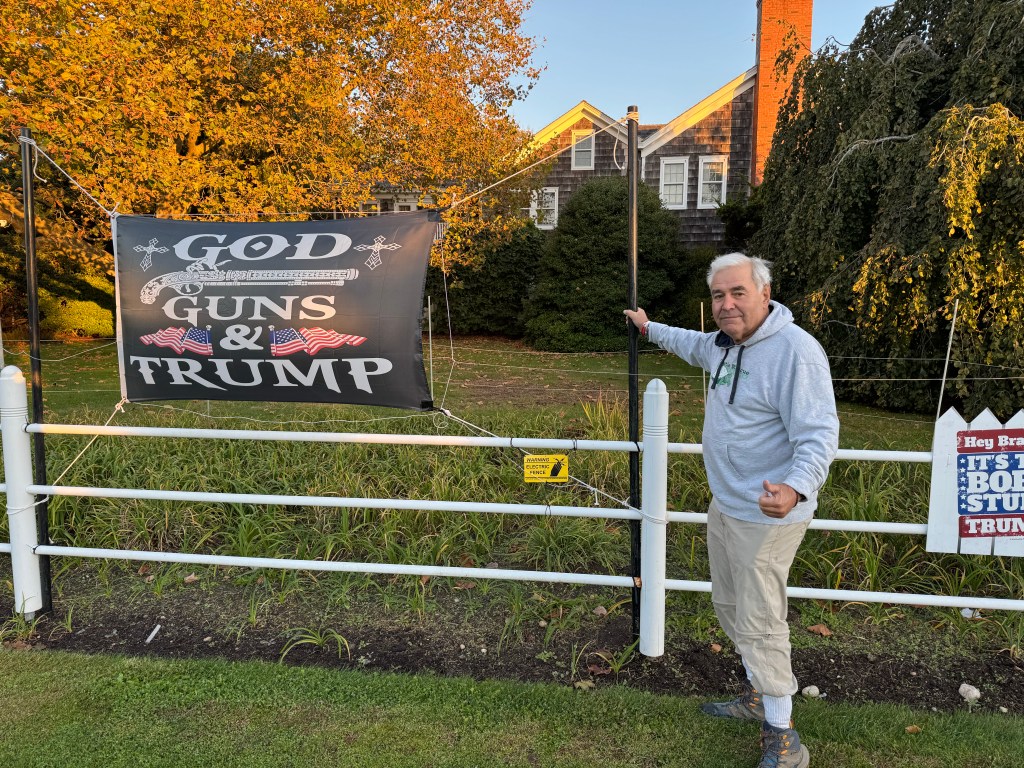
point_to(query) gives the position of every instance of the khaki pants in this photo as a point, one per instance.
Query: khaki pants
(749, 570)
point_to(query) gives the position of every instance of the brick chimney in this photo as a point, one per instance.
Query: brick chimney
(775, 19)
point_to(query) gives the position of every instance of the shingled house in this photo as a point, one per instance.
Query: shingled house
(711, 153)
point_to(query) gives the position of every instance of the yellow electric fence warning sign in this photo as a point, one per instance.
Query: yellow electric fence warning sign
(546, 469)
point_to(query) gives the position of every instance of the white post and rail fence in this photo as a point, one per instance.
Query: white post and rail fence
(25, 549)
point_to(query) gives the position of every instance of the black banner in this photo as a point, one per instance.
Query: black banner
(313, 311)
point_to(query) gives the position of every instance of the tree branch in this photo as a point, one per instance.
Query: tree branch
(860, 144)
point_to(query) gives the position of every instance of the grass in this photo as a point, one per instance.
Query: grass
(503, 388)
(64, 709)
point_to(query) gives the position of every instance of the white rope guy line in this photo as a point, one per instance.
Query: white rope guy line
(652, 351)
(451, 334)
(534, 165)
(570, 370)
(37, 149)
(886, 417)
(9, 350)
(117, 408)
(28, 354)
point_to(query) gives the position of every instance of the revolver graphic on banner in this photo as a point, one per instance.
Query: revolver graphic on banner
(191, 282)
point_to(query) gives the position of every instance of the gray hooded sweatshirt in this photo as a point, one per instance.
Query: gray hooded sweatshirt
(770, 415)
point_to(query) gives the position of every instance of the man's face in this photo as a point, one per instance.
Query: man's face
(738, 307)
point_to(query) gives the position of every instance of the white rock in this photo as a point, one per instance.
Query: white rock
(811, 692)
(969, 693)
(970, 613)
(1004, 710)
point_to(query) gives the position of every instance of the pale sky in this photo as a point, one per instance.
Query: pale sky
(662, 55)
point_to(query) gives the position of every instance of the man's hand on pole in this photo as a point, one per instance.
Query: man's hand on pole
(638, 316)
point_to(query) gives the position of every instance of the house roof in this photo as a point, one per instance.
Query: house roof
(582, 110)
(651, 136)
(700, 110)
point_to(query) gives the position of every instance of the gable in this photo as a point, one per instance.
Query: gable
(699, 111)
(584, 111)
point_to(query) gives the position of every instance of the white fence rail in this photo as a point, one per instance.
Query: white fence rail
(25, 548)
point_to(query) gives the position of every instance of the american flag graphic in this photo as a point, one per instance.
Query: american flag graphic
(288, 341)
(179, 339)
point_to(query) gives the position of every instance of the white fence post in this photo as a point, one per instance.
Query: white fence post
(21, 510)
(654, 502)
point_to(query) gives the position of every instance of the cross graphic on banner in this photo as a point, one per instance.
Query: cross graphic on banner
(149, 250)
(378, 245)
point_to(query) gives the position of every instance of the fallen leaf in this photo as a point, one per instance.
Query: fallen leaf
(600, 611)
(913, 729)
(467, 561)
(716, 648)
(583, 685)
(424, 579)
(597, 669)
(820, 629)
(191, 579)
(144, 569)
(150, 579)
(465, 585)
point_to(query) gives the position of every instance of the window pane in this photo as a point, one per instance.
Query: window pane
(675, 173)
(673, 194)
(583, 156)
(713, 171)
(710, 193)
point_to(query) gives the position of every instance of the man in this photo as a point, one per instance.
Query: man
(770, 433)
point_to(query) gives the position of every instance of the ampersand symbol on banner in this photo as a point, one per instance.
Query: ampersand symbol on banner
(241, 337)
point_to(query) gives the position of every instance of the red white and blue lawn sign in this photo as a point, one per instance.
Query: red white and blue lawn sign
(314, 311)
(977, 494)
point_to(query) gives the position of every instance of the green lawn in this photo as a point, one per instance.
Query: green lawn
(60, 709)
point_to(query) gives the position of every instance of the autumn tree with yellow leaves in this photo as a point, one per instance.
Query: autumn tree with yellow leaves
(252, 108)
(894, 190)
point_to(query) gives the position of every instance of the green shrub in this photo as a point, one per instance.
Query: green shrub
(582, 280)
(63, 318)
(487, 295)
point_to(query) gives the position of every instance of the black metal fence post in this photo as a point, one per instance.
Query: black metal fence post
(32, 287)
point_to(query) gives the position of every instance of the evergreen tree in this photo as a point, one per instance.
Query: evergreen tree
(582, 279)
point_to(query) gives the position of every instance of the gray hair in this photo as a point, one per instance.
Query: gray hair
(759, 268)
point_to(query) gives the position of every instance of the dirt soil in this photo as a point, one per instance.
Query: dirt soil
(212, 616)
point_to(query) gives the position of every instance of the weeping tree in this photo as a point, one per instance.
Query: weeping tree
(894, 190)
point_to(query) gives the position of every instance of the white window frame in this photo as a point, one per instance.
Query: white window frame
(704, 160)
(535, 208)
(576, 137)
(677, 160)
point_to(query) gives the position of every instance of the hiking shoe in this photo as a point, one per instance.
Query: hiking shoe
(781, 748)
(747, 707)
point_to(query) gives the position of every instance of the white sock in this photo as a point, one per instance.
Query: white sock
(778, 710)
(750, 676)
